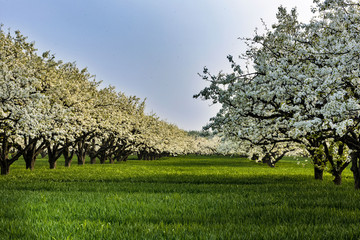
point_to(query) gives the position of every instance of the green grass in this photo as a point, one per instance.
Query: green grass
(177, 198)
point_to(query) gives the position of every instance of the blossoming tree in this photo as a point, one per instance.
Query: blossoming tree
(23, 109)
(302, 86)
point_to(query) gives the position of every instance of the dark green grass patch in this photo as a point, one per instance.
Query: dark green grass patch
(177, 198)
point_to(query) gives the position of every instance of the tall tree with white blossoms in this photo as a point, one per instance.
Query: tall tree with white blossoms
(304, 87)
(23, 109)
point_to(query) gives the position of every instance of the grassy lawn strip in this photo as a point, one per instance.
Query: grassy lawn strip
(177, 198)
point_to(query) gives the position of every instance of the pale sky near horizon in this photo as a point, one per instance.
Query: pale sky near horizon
(149, 48)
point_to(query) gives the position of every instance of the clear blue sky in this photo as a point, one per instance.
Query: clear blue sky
(149, 48)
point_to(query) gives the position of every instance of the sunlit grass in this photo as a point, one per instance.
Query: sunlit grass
(177, 198)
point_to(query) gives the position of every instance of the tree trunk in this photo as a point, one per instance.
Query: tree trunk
(92, 152)
(68, 162)
(68, 156)
(52, 164)
(30, 162)
(318, 173)
(355, 168)
(337, 179)
(267, 159)
(81, 152)
(5, 161)
(81, 158)
(31, 151)
(5, 168)
(29, 156)
(53, 155)
(92, 160)
(102, 158)
(337, 166)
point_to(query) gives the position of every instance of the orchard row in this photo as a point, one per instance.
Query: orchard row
(48, 106)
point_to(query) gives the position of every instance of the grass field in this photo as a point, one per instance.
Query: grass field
(177, 198)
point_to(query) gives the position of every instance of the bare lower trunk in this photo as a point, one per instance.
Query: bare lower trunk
(81, 152)
(337, 174)
(5, 168)
(30, 162)
(317, 158)
(52, 164)
(67, 153)
(102, 159)
(29, 156)
(68, 157)
(267, 159)
(337, 166)
(92, 160)
(81, 159)
(269, 163)
(355, 168)
(31, 151)
(337, 179)
(92, 152)
(53, 155)
(318, 173)
(5, 161)
(68, 162)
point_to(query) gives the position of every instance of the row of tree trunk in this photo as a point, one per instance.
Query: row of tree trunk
(108, 150)
(320, 159)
